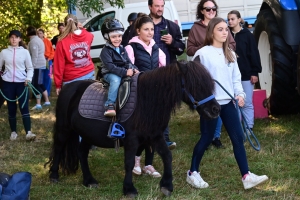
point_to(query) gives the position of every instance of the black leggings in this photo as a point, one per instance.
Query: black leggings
(149, 154)
(232, 123)
(37, 80)
(12, 90)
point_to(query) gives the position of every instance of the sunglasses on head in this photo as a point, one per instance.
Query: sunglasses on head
(208, 9)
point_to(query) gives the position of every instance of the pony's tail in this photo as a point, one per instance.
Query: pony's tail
(64, 152)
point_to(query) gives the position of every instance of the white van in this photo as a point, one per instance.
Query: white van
(94, 23)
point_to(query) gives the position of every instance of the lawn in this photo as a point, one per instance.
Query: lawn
(278, 158)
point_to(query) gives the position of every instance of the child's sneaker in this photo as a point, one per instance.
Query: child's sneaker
(195, 180)
(47, 104)
(137, 166)
(13, 136)
(30, 136)
(37, 107)
(151, 171)
(110, 111)
(252, 180)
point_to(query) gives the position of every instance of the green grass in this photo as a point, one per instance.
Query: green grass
(279, 159)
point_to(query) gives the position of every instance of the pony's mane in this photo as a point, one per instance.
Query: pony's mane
(162, 91)
(162, 87)
(198, 81)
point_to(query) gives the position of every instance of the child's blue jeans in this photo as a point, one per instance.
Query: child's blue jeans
(114, 83)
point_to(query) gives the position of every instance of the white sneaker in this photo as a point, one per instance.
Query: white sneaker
(149, 169)
(137, 166)
(252, 180)
(195, 180)
(13, 136)
(30, 136)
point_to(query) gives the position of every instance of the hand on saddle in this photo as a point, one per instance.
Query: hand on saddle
(130, 72)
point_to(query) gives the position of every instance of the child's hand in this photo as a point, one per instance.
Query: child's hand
(130, 72)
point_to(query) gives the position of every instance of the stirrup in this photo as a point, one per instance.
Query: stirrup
(116, 131)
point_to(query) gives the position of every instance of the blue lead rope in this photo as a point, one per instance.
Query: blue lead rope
(248, 132)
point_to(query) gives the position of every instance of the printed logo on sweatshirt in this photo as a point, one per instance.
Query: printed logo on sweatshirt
(79, 54)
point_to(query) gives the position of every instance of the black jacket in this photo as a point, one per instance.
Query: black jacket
(125, 37)
(113, 62)
(143, 60)
(248, 55)
(176, 47)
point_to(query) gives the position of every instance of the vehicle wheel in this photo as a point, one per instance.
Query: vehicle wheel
(278, 72)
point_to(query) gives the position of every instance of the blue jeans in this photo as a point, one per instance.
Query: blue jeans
(114, 83)
(231, 121)
(89, 76)
(218, 128)
(47, 81)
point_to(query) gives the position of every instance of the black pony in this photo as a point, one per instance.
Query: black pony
(159, 91)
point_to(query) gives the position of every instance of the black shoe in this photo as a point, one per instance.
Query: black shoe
(217, 143)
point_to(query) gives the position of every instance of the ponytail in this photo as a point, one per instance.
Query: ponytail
(238, 15)
(71, 23)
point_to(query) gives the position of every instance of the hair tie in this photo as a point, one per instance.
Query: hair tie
(70, 19)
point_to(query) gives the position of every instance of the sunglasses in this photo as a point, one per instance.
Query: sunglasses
(208, 9)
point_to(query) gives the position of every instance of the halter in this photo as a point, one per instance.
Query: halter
(196, 103)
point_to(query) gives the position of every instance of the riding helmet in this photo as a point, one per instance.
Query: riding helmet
(111, 25)
(132, 17)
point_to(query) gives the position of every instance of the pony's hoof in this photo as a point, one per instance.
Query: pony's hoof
(53, 180)
(131, 196)
(94, 185)
(165, 191)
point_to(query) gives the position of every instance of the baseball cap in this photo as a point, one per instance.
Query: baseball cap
(15, 32)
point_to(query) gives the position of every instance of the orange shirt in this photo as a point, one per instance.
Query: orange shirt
(49, 51)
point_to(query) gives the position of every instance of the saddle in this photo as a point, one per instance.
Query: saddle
(91, 104)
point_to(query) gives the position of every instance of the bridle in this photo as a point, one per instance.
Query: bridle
(195, 103)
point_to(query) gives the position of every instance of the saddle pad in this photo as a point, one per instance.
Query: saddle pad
(91, 104)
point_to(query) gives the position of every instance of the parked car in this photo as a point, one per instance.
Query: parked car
(94, 23)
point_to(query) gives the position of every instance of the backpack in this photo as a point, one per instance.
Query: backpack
(17, 187)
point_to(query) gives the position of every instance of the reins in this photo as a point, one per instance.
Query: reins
(25, 92)
(195, 103)
(244, 123)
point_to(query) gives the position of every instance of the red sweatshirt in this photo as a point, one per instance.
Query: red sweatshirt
(72, 57)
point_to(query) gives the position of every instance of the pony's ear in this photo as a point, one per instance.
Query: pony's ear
(182, 65)
(197, 59)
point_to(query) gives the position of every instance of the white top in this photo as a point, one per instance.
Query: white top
(16, 61)
(226, 73)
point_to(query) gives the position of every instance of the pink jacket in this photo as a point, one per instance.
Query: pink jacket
(148, 48)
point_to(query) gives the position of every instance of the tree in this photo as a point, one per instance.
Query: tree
(19, 15)
(86, 7)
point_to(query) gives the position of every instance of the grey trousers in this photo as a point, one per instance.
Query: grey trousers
(248, 109)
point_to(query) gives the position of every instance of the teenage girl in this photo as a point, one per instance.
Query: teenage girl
(72, 60)
(146, 55)
(221, 62)
(18, 72)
